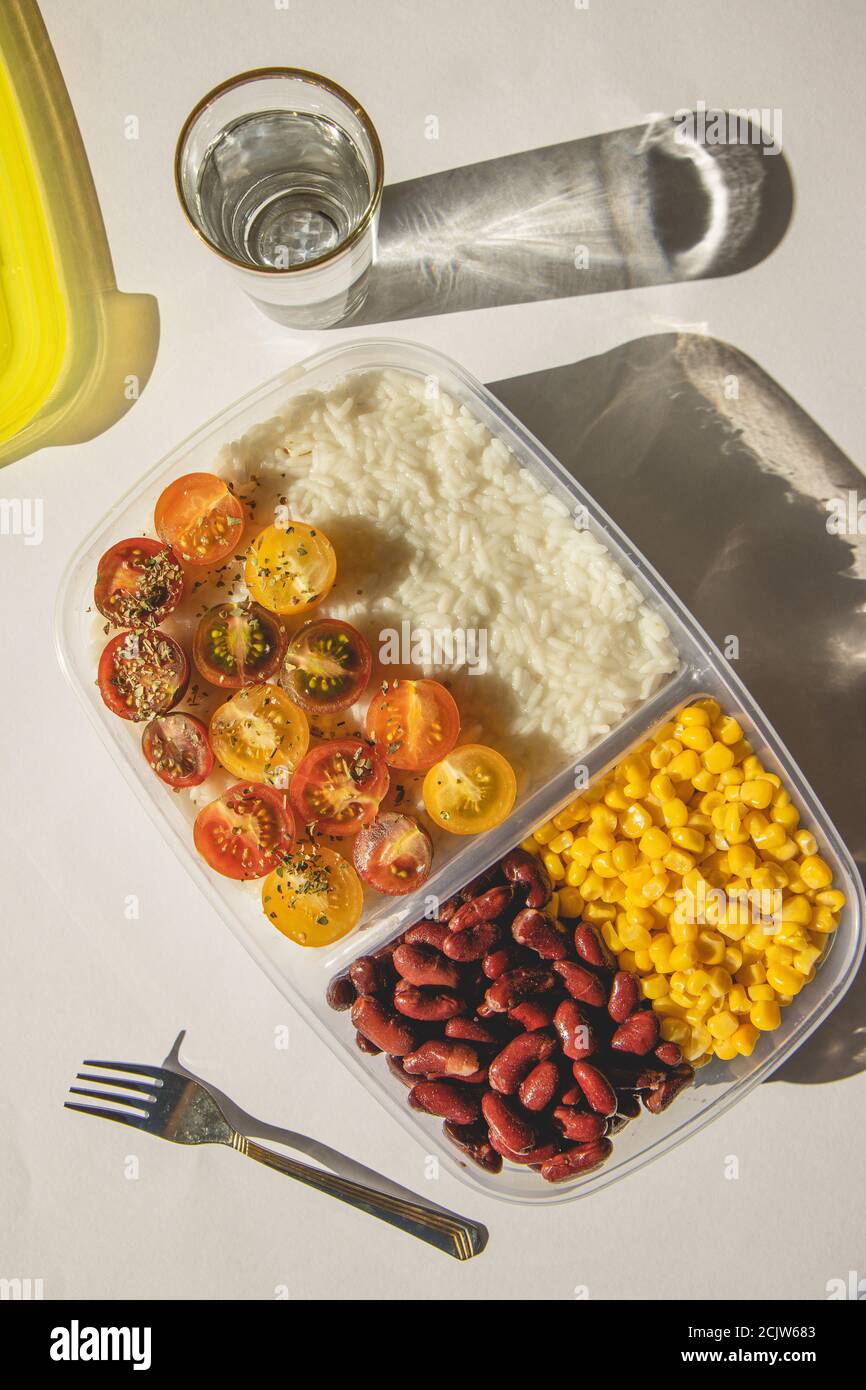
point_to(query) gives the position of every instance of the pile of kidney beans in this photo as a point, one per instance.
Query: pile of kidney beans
(519, 1034)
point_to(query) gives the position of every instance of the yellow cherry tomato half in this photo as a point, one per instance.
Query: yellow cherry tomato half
(260, 735)
(201, 518)
(290, 568)
(472, 789)
(314, 897)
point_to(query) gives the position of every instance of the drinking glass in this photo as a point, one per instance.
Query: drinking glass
(280, 171)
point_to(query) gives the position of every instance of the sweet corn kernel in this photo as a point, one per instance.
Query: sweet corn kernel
(816, 872)
(797, 909)
(739, 1001)
(624, 855)
(643, 961)
(745, 1039)
(694, 715)
(758, 992)
(675, 812)
(718, 758)
(710, 947)
(684, 765)
(662, 787)
(545, 833)
(757, 793)
(575, 874)
(727, 730)
(806, 842)
(784, 979)
(635, 938)
(733, 959)
(570, 901)
(684, 956)
(723, 1025)
(804, 960)
(832, 898)
(654, 843)
(616, 799)
(660, 952)
(601, 838)
(725, 1049)
(654, 986)
(752, 974)
(553, 865)
(697, 737)
(674, 1029)
(685, 837)
(823, 920)
(683, 931)
(598, 912)
(766, 1015)
(561, 842)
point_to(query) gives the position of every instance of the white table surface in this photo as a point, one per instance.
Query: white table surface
(78, 979)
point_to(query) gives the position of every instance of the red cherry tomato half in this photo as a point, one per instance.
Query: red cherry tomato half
(327, 666)
(142, 674)
(337, 787)
(394, 854)
(201, 518)
(178, 750)
(414, 723)
(138, 582)
(236, 644)
(246, 832)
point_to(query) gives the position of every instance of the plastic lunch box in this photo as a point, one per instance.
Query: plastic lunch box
(303, 975)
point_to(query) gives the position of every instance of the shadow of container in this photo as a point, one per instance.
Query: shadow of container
(648, 205)
(731, 491)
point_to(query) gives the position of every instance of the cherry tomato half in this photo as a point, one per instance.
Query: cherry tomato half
(394, 854)
(142, 674)
(338, 786)
(327, 666)
(314, 897)
(260, 734)
(237, 643)
(201, 518)
(177, 748)
(471, 790)
(414, 723)
(290, 568)
(246, 832)
(138, 582)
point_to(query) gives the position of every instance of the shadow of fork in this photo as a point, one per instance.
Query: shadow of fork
(329, 1158)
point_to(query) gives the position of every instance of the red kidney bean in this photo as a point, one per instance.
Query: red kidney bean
(517, 1059)
(528, 874)
(583, 1158)
(495, 963)
(454, 1103)
(475, 1143)
(476, 886)
(507, 1125)
(364, 1045)
(638, 1034)
(427, 934)
(624, 996)
(591, 946)
(540, 934)
(648, 1079)
(515, 986)
(447, 909)
(670, 1054)
(442, 1057)
(582, 984)
(396, 1069)
(340, 993)
(658, 1100)
(596, 1087)
(381, 1027)
(627, 1105)
(573, 1096)
(485, 908)
(470, 1030)
(578, 1126)
(537, 1090)
(367, 975)
(535, 1013)
(472, 942)
(575, 1034)
(427, 1005)
(424, 965)
(531, 1157)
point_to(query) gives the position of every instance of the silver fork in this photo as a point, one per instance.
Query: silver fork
(178, 1108)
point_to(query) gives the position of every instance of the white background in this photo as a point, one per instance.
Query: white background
(78, 979)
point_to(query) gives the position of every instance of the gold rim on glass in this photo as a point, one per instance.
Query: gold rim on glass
(314, 79)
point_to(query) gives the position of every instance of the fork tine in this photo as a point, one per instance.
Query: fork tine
(137, 1102)
(148, 1087)
(122, 1117)
(136, 1068)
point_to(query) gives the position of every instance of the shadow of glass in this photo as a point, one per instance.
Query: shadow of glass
(723, 482)
(634, 207)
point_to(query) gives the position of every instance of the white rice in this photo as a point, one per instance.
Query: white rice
(435, 522)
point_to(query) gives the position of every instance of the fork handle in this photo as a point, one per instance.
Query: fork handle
(454, 1234)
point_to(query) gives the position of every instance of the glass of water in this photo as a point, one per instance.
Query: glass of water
(280, 172)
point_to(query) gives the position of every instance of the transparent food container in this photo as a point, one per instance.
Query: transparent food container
(303, 974)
